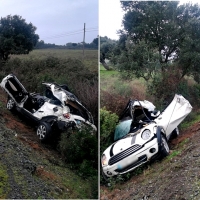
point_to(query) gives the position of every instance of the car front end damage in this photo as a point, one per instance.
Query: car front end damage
(142, 135)
(130, 152)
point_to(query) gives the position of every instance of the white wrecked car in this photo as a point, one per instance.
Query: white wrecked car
(142, 135)
(55, 112)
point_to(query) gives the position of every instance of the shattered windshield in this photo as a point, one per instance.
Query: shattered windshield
(122, 129)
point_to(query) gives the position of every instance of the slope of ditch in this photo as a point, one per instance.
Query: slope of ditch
(175, 177)
(30, 169)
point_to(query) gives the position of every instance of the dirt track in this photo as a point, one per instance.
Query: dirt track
(175, 177)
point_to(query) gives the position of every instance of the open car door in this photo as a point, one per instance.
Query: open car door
(14, 88)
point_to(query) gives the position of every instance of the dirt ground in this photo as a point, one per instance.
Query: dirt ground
(30, 169)
(177, 177)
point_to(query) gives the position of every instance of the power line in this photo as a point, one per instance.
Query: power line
(65, 34)
(92, 30)
(72, 33)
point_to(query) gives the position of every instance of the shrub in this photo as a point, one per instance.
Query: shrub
(78, 147)
(113, 102)
(108, 122)
(166, 84)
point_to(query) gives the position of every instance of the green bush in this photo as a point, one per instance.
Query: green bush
(80, 147)
(123, 89)
(108, 122)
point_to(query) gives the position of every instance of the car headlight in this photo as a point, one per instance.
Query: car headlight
(146, 134)
(104, 160)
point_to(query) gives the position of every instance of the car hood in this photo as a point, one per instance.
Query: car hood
(132, 139)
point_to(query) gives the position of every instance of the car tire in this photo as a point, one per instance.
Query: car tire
(44, 131)
(175, 133)
(10, 104)
(105, 178)
(164, 151)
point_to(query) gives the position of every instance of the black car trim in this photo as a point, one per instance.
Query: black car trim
(120, 156)
(49, 118)
(27, 114)
(111, 150)
(158, 133)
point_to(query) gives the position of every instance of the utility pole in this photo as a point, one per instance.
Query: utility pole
(84, 40)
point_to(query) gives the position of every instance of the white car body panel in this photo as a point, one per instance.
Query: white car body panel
(48, 108)
(145, 104)
(174, 114)
(132, 150)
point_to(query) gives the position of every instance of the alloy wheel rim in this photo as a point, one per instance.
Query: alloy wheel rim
(41, 132)
(10, 104)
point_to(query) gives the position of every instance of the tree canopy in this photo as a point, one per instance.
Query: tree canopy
(16, 36)
(157, 34)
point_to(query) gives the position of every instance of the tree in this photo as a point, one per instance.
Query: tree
(106, 47)
(96, 41)
(40, 44)
(156, 35)
(16, 36)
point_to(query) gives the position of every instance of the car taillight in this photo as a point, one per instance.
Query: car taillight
(66, 115)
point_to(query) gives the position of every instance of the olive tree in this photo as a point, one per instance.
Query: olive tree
(16, 36)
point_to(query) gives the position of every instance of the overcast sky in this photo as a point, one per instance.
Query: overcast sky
(111, 15)
(57, 21)
(110, 18)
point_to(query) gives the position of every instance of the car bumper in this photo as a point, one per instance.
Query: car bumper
(134, 160)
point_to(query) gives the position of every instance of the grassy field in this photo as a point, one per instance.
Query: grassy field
(110, 81)
(90, 58)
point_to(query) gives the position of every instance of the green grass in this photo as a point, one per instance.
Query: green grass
(190, 120)
(174, 154)
(111, 82)
(90, 58)
(74, 186)
(4, 184)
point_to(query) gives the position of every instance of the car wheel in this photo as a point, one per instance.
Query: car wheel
(175, 133)
(10, 104)
(44, 131)
(164, 147)
(105, 178)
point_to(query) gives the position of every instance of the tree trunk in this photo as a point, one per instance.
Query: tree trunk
(105, 65)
